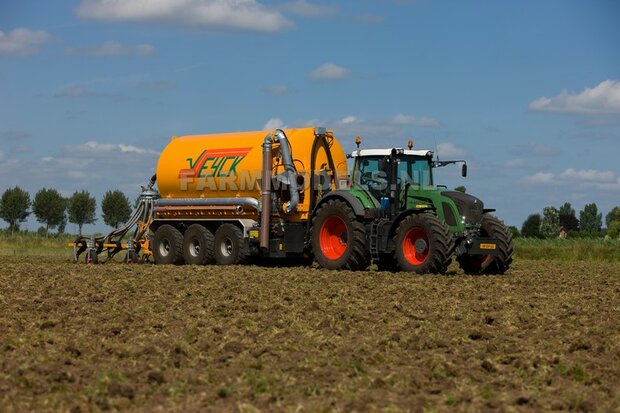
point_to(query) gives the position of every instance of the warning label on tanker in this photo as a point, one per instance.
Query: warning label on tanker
(215, 163)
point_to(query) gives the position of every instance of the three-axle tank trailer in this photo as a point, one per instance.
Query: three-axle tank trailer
(288, 194)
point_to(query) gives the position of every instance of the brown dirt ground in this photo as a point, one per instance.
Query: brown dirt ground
(144, 338)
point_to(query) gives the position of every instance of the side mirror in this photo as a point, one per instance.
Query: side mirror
(464, 170)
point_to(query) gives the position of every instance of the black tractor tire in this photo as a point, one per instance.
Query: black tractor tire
(480, 264)
(168, 245)
(423, 244)
(132, 257)
(198, 245)
(91, 257)
(230, 247)
(339, 238)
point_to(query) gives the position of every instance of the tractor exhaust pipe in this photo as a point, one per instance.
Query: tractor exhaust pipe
(265, 216)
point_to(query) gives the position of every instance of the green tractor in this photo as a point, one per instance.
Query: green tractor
(395, 215)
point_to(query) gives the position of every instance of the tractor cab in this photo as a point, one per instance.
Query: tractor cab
(388, 173)
(402, 180)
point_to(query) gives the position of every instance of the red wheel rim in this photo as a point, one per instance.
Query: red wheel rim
(409, 251)
(333, 237)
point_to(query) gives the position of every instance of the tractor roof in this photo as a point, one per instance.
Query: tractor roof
(388, 151)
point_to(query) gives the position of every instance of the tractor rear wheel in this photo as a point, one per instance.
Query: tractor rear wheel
(423, 244)
(339, 238)
(168, 245)
(198, 245)
(230, 247)
(485, 264)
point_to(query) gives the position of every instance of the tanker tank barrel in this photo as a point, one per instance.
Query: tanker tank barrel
(221, 198)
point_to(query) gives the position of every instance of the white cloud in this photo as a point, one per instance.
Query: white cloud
(79, 92)
(581, 178)
(374, 132)
(8, 165)
(608, 186)
(13, 135)
(95, 147)
(538, 149)
(539, 178)
(401, 119)
(330, 71)
(274, 123)
(73, 91)
(277, 90)
(22, 41)
(75, 165)
(515, 163)
(306, 9)
(111, 48)
(603, 98)
(588, 175)
(220, 14)
(449, 150)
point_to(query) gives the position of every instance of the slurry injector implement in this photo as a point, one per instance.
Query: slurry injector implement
(288, 194)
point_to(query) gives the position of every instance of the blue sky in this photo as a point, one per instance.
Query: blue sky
(527, 91)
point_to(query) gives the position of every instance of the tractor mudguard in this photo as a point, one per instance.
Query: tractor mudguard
(356, 204)
(404, 214)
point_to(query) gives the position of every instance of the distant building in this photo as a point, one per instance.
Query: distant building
(563, 234)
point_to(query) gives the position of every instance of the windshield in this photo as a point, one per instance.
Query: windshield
(414, 170)
(372, 172)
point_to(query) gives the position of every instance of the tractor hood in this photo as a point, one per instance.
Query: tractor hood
(470, 207)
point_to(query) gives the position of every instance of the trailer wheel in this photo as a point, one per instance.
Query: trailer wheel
(91, 257)
(230, 247)
(423, 244)
(339, 238)
(486, 264)
(168, 245)
(198, 245)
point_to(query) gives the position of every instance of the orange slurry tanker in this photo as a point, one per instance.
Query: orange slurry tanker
(288, 194)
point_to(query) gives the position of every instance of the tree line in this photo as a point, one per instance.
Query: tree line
(54, 211)
(563, 222)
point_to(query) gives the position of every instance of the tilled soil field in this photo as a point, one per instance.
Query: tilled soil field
(82, 338)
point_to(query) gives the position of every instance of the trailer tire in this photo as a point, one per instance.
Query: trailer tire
(423, 244)
(230, 247)
(168, 245)
(338, 237)
(493, 227)
(198, 245)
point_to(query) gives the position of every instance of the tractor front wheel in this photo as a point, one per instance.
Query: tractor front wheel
(338, 237)
(423, 244)
(486, 264)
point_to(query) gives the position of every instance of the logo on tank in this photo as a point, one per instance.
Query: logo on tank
(215, 163)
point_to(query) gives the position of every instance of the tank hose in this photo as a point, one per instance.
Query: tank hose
(289, 168)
